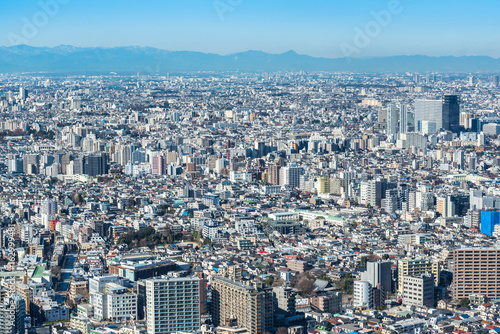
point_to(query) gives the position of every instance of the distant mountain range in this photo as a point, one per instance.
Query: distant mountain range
(146, 60)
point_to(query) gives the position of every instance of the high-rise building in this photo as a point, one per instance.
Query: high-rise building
(49, 207)
(290, 176)
(251, 306)
(494, 81)
(12, 315)
(30, 163)
(115, 302)
(260, 149)
(418, 291)
(392, 119)
(445, 112)
(451, 113)
(363, 294)
(172, 304)
(274, 174)
(158, 165)
(378, 272)
(372, 192)
(416, 268)
(96, 164)
(23, 93)
(284, 300)
(15, 166)
(476, 271)
(403, 118)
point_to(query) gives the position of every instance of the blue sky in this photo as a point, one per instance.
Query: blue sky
(315, 27)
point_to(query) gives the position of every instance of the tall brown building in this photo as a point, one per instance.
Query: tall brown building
(476, 271)
(251, 306)
(274, 175)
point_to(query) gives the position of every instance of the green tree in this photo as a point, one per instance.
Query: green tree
(346, 284)
(464, 302)
(362, 262)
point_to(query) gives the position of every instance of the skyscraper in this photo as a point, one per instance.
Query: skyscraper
(451, 113)
(494, 81)
(158, 165)
(96, 164)
(251, 306)
(403, 118)
(23, 93)
(445, 112)
(392, 119)
(428, 110)
(274, 174)
(172, 304)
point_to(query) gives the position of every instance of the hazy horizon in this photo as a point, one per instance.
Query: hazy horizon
(328, 29)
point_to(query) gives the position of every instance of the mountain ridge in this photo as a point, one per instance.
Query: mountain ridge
(149, 60)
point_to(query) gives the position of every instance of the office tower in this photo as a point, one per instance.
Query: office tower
(260, 148)
(78, 166)
(391, 201)
(428, 127)
(392, 119)
(476, 271)
(459, 159)
(451, 113)
(158, 165)
(494, 81)
(49, 207)
(96, 164)
(30, 163)
(139, 156)
(251, 306)
(415, 268)
(87, 144)
(172, 304)
(428, 110)
(446, 206)
(403, 118)
(445, 112)
(488, 221)
(323, 185)
(274, 174)
(363, 294)
(125, 155)
(290, 176)
(491, 129)
(372, 192)
(15, 166)
(378, 272)
(416, 78)
(12, 315)
(76, 103)
(175, 117)
(23, 93)
(115, 302)
(418, 291)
